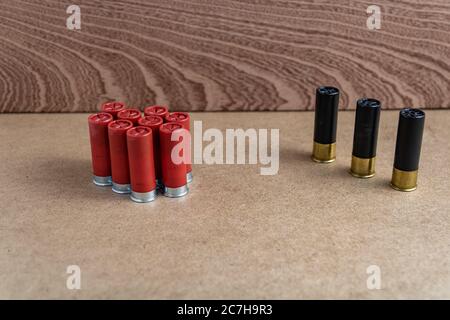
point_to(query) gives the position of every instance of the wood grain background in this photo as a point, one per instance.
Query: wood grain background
(221, 54)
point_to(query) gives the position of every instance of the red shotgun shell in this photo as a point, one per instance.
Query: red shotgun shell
(154, 122)
(130, 114)
(101, 161)
(113, 108)
(142, 168)
(161, 111)
(184, 119)
(173, 175)
(117, 132)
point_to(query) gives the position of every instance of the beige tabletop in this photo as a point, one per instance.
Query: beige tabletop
(309, 232)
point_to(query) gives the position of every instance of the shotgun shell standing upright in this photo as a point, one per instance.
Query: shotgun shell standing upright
(142, 169)
(407, 150)
(154, 122)
(325, 124)
(160, 111)
(117, 132)
(173, 173)
(113, 108)
(365, 138)
(101, 161)
(184, 119)
(130, 114)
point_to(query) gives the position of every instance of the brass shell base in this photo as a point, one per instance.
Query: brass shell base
(403, 190)
(405, 181)
(362, 168)
(360, 176)
(324, 153)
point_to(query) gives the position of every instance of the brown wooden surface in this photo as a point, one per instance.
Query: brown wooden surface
(221, 54)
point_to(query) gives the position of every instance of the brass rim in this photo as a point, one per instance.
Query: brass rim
(322, 161)
(404, 190)
(404, 180)
(324, 153)
(363, 168)
(356, 175)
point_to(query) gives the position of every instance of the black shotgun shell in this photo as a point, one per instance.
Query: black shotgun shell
(365, 138)
(407, 151)
(325, 124)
